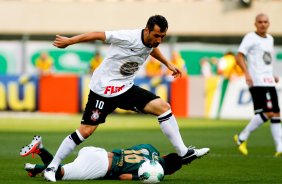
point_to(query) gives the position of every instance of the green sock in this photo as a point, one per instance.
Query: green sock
(45, 156)
(38, 168)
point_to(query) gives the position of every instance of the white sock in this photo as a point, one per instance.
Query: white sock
(174, 123)
(170, 128)
(66, 147)
(255, 122)
(276, 131)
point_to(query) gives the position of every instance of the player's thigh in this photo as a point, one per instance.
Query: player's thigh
(135, 99)
(91, 163)
(157, 107)
(265, 99)
(97, 109)
(259, 99)
(274, 100)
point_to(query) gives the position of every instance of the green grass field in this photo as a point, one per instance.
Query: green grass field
(224, 164)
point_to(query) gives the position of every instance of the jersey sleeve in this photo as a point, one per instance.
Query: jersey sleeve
(245, 44)
(272, 40)
(149, 147)
(121, 37)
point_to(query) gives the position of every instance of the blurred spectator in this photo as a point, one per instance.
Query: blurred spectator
(153, 68)
(206, 68)
(95, 62)
(209, 66)
(44, 63)
(214, 65)
(227, 66)
(178, 61)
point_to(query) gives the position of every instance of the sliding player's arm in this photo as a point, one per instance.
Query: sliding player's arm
(128, 177)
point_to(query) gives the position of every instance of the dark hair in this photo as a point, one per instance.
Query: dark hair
(157, 20)
(172, 163)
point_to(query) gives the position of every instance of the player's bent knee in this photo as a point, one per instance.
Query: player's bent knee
(157, 107)
(165, 106)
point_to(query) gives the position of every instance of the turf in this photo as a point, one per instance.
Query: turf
(224, 164)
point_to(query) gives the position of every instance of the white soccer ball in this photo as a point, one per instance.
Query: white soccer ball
(151, 172)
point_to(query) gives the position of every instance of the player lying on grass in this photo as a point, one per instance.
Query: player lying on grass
(97, 163)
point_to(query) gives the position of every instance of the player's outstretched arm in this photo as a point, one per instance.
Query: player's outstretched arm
(156, 53)
(63, 42)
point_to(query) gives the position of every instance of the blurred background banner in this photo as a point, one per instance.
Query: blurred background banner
(195, 96)
(72, 60)
(11, 57)
(202, 39)
(18, 93)
(76, 59)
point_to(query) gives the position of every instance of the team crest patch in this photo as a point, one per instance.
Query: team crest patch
(267, 58)
(129, 68)
(95, 115)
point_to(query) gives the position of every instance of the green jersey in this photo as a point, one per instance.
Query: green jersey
(128, 161)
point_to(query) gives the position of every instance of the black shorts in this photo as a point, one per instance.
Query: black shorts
(98, 107)
(265, 99)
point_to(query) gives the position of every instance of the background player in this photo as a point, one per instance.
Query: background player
(257, 47)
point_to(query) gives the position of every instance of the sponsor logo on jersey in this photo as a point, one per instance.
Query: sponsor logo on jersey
(113, 89)
(268, 80)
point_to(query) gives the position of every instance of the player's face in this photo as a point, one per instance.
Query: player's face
(155, 37)
(262, 24)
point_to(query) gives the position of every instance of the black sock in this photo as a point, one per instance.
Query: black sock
(45, 156)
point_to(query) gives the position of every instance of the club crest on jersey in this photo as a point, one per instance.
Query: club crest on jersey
(129, 68)
(95, 115)
(267, 58)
